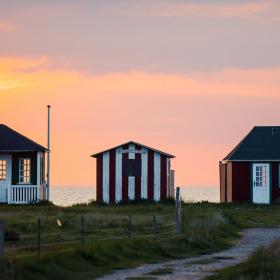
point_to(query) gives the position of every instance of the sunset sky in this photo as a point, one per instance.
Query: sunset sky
(188, 77)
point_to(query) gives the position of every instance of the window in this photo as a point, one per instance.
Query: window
(3, 169)
(131, 167)
(261, 176)
(24, 170)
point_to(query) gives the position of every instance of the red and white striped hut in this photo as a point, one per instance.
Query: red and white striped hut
(133, 171)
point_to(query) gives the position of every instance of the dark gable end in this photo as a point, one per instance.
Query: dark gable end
(262, 143)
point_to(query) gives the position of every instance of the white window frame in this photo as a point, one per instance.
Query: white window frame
(25, 167)
(3, 170)
(261, 179)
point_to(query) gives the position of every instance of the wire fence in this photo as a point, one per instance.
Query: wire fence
(66, 234)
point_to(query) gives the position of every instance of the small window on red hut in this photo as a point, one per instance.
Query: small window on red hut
(131, 167)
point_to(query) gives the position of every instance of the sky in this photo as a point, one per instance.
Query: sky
(188, 77)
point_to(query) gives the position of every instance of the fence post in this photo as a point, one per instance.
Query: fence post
(178, 211)
(82, 230)
(129, 226)
(155, 226)
(39, 237)
(2, 238)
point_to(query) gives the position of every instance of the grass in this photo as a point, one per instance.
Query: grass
(208, 227)
(262, 265)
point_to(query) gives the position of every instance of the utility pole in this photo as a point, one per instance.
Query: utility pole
(48, 167)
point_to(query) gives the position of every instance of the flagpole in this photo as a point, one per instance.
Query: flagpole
(48, 155)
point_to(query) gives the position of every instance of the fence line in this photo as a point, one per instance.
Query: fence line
(87, 229)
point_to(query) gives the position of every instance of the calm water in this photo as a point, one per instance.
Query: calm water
(66, 196)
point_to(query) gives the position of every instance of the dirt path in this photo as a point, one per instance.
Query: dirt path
(199, 267)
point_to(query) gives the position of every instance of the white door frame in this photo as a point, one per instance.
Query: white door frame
(261, 183)
(5, 184)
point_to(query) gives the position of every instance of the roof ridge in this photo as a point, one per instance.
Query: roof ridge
(136, 143)
(228, 157)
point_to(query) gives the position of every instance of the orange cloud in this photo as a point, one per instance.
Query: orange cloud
(6, 27)
(34, 73)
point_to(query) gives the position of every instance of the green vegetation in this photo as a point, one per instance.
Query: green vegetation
(207, 228)
(262, 265)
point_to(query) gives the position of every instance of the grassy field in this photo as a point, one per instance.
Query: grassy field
(207, 228)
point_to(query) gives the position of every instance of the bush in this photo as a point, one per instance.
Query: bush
(11, 235)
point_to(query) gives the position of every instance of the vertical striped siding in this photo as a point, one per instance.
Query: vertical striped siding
(163, 177)
(125, 179)
(106, 157)
(157, 167)
(118, 174)
(138, 178)
(99, 178)
(150, 175)
(131, 180)
(112, 176)
(153, 184)
(144, 172)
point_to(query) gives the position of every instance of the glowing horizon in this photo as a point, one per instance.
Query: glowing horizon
(190, 79)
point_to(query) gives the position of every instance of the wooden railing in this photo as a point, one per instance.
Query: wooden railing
(23, 194)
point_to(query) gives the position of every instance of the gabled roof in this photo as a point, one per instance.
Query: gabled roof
(135, 143)
(12, 141)
(262, 143)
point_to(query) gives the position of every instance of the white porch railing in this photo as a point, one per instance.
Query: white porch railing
(23, 194)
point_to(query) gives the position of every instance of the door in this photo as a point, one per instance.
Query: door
(261, 183)
(5, 177)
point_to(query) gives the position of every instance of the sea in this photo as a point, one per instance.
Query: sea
(69, 195)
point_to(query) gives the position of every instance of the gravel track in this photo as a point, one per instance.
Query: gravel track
(197, 268)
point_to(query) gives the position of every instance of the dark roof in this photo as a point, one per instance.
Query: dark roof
(132, 142)
(12, 141)
(262, 143)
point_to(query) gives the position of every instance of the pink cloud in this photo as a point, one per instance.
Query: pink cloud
(201, 10)
(7, 27)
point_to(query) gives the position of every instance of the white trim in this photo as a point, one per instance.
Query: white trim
(131, 179)
(144, 173)
(106, 171)
(5, 184)
(157, 161)
(118, 194)
(24, 170)
(39, 155)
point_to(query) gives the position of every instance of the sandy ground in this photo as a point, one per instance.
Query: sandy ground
(199, 267)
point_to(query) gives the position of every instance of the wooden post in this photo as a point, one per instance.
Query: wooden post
(129, 227)
(155, 226)
(82, 230)
(178, 211)
(39, 237)
(2, 237)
